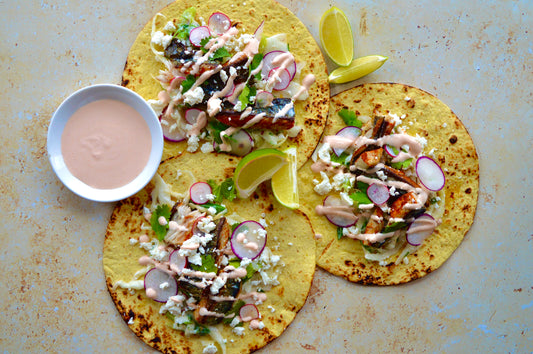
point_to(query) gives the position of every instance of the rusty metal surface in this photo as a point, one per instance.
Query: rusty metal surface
(475, 56)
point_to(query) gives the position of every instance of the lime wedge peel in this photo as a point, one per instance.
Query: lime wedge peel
(257, 167)
(357, 69)
(336, 36)
(284, 182)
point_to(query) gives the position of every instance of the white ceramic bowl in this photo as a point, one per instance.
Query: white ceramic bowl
(72, 104)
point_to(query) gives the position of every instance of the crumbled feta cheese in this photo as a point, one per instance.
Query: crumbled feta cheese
(223, 75)
(393, 192)
(193, 97)
(421, 140)
(271, 309)
(323, 187)
(133, 241)
(169, 26)
(407, 98)
(381, 175)
(207, 148)
(130, 321)
(344, 196)
(294, 131)
(324, 152)
(157, 106)
(192, 143)
(206, 225)
(263, 222)
(164, 285)
(218, 283)
(343, 181)
(238, 331)
(210, 349)
(444, 125)
(159, 38)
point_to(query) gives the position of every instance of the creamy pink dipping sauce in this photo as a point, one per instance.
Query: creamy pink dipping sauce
(106, 144)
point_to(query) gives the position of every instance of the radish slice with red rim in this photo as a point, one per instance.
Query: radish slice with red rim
(177, 262)
(259, 30)
(337, 212)
(378, 193)
(231, 90)
(420, 229)
(248, 240)
(160, 285)
(283, 78)
(241, 143)
(268, 65)
(191, 115)
(248, 312)
(197, 34)
(173, 135)
(390, 150)
(430, 174)
(219, 23)
(349, 132)
(264, 99)
(200, 192)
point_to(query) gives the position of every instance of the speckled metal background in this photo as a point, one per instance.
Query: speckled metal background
(476, 56)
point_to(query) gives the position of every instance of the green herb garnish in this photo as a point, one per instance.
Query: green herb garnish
(394, 227)
(402, 164)
(255, 63)
(219, 208)
(341, 158)
(208, 264)
(234, 311)
(245, 97)
(350, 118)
(339, 232)
(160, 230)
(226, 190)
(187, 83)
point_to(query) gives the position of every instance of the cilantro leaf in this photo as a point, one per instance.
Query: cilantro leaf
(220, 54)
(360, 198)
(219, 208)
(340, 159)
(350, 118)
(215, 129)
(187, 83)
(255, 63)
(226, 190)
(160, 230)
(246, 94)
(208, 264)
(339, 233)
(402, 164)
(393, 227)
(234, 311)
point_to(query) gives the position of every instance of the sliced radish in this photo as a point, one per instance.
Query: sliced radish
(391, 151)
(339, 213)
(200, 192)
(268, 65)
(346, 132)
(248, 313)
(160, 285)
(231, 90)
(170, 134)
(264, 99)
(378, 193)
(176, 81)
(241, 143)
(219, 23)
(430, 174)
(283, 78)
(177, 262)
(197, 34)
(248, 240)
(259, 30)
(191, 115)
(420, 229)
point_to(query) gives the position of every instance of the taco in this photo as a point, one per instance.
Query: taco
(392, 188)
(190, 270)
(231, 77)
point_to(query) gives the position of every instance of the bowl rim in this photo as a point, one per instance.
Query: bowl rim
(85, 96)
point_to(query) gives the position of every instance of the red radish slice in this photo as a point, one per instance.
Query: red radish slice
(200, 192)
(283, 78)
(177, 262)
(430, 174)
(264, 99)
(241, 143)
(248, 312)
(197, 34)
(231, 90)
(346, 132)
(337, 211)
(219, 23)
(390, 150)
(174, 135)
(259, 30)
(160, 285)
(248, 240)
(378, 193)
(176, 81)
(191, 115)
(268, 65)
(420, 229)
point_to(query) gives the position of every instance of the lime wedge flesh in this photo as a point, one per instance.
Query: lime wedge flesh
(336, 36)
(357, 69)
(255, 168)
(284, 182)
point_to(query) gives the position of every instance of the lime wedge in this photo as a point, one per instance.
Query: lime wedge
(336, 36)
(284, 182)
(358, 68)
(255, 168)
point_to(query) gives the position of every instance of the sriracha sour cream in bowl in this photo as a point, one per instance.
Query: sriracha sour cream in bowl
(105, 142)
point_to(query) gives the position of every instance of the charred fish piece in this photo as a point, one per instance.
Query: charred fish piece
(233, 118)
(382, 127)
